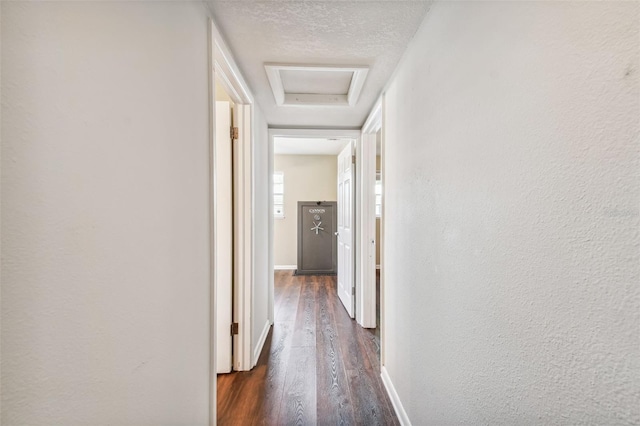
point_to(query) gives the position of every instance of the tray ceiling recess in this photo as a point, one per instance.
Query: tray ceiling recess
(316, 85)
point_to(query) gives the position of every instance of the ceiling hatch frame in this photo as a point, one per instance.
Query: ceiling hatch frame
(283, 98)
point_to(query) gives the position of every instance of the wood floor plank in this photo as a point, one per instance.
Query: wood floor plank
(290, 295)
(299, 396)
(239, 401)
(334, 398)
(305, 327)
(276, 364)
(317, 367)
(280, 280)
(369, 404)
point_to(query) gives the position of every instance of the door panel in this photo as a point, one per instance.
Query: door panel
(317, 240)
(345, 229)
(223, 237)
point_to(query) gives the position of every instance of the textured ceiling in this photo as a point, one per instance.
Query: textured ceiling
(373, 33)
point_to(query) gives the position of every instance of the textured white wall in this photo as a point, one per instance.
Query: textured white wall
(1, 98)
(105, 226)
(512, 226)
(262, 188)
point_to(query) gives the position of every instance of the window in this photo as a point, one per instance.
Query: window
(278, 195)
(378, 195)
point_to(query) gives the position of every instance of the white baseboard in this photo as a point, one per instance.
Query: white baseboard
(263, 337)
(285, 267)
(395, 399)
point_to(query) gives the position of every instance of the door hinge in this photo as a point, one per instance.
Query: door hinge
(353, 159)
(235, 327)
(234, 133)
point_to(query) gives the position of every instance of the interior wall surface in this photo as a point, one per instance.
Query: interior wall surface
(105, 214)
(306, 178)
(512, 189)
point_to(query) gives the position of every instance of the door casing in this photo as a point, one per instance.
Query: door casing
(366, 220)
(222, 65)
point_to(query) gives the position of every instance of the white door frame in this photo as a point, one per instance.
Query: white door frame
(222, 65)
(294, 133)
(366, 219)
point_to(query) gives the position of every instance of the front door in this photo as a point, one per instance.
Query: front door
(345, 229)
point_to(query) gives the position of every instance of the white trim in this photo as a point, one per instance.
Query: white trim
(270, 302)
(225, 65)
(395, 399)
(314, 133)
(285, 267)
(212, 233)
(374, 120)
(225, 69)
(282, 98)
(381, 244)
(273, 74)
(243, 238)
(247, 213)
(263, 337)
(366, 220)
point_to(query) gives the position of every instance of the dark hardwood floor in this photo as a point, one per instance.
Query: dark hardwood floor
(318, 367)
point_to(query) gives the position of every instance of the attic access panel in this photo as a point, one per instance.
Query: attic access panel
(316, 82)
(317, 240)
(316, 85)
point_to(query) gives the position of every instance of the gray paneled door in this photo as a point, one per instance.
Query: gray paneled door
(317, 237)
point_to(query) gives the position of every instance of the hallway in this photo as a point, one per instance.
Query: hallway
(510, 208)
(318, 366)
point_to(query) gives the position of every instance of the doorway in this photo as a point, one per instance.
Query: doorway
(378, 214)
(370, 279)
(303, 167)
(231, 149)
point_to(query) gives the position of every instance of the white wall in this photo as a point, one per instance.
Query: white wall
(261, 247)
(306, 178)
(512, 191)
(105, 223)
(1, 98)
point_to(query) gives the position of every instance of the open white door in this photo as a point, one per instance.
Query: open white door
(224, 237)
(366, 231)
(345, 229)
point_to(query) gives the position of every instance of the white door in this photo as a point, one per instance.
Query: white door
(345, 229)
(366, 231)
(223, 237)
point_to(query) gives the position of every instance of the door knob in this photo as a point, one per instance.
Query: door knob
(336, 233)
